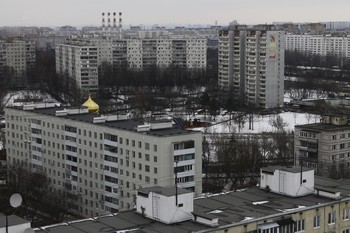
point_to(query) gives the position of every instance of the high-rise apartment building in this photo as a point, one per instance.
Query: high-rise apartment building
(78, 59)
(142, 53)
(251, 66)
(17, 58)
(102, 159)
(77, 62)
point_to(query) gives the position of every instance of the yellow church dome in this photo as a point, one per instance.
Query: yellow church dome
(91, 105)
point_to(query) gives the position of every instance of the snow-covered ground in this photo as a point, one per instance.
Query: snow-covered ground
(262, 123)
(13, 97)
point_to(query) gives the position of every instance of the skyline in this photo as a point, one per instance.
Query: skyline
(180, 12)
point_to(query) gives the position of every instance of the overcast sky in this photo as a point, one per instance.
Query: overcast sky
(177, 12)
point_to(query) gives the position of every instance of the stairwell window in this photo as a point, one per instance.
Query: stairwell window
(346, 214)
(300, 225)
(317, 221)
(331, 217)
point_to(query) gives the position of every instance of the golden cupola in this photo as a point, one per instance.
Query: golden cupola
(91, 105)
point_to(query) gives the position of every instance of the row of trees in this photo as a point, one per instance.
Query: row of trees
(40, 201)
(331, 60)
(233, 161)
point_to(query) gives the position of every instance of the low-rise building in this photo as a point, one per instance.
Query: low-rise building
(288, 200)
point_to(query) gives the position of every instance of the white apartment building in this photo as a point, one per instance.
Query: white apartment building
(187, 53)
(77, 61)
(19, 56)
(102, 159)
(319, 44)
(251, 66)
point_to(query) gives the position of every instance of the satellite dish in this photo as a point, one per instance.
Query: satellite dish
(28, 230)
(16, 200)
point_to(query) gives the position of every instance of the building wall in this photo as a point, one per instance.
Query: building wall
(78, 63)
(103, 165)
(319, 44)
(328, 151)
(19, 56)
(251, 66)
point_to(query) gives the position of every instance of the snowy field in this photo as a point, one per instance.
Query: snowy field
(261, 123)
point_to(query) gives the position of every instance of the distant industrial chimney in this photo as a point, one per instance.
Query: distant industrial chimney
(103, 21)
(120, 25)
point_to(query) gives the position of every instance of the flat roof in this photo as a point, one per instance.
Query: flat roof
(128, 125)
(165, 191)
(322, 127)
(291, 169)
(230, 208)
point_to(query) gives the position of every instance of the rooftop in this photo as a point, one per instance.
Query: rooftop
(317, 127)
(237, 207)
(291, 169)
(165, 191)
(129, 125)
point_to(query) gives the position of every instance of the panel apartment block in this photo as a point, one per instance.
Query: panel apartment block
(251, 66)
(324, 146)
(319, 44)
(102, 159)
(19, 56)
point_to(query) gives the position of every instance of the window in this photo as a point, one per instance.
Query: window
(316, 221)
(346, 231)
(300, 225)
(147, 146)
(147, 157)
(346, 213)
(331, 217)
(155, 148)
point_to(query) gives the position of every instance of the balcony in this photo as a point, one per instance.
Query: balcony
(70, 134)
(184, 151)
(186, 185)
(111, 174)
(185, 173)
(68, 162)
(184, 163)
(37, 162)
(110, 164)
(71, 153)
(70, 143)
(111, 205)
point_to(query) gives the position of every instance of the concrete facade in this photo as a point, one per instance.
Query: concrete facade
(319, 44)
(77, 62)
(251, 66)
(19, 56)
(324, 146)
(101, 159)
